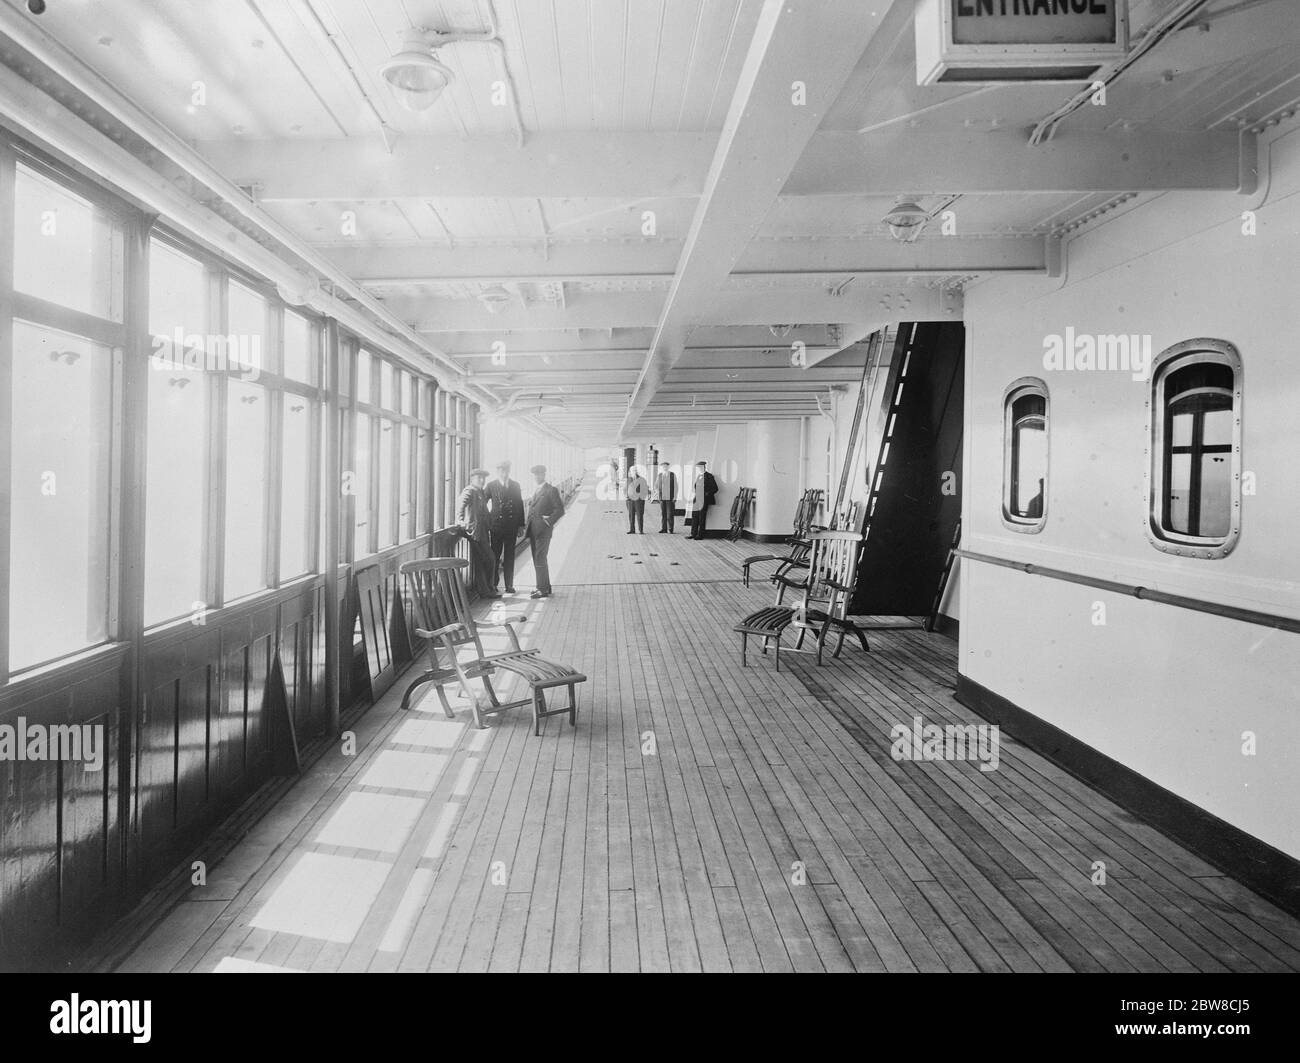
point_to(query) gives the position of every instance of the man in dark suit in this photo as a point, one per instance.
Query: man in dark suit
(545, 508)
(472, 516)
(638, 490)
(703, 496)
(666, 493)
(507, 517)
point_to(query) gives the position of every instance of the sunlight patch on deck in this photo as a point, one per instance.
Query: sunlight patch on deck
(378, 822)
(324, 897)
(233, 965)
(434, 734)
(408, 908)
(442, 830)
(396, 770)
(466, 777)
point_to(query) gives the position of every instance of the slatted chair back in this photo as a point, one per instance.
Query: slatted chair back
(438, 593)
(806, 513)
(740, 508)
(832, 573)
(852, 517)
(376, 633)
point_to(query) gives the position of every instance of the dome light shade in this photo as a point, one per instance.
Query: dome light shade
(415, 77)
(906, 221)
(495, 298)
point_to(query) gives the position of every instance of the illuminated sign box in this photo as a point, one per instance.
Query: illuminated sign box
(1017, 40)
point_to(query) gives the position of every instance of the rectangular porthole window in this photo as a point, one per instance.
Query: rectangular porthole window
(1024, 471)
(1195, 481)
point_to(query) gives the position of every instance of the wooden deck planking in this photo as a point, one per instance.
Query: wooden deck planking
(769, 829)
(1042, 788)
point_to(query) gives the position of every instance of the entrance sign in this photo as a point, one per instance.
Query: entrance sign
(1017, 40)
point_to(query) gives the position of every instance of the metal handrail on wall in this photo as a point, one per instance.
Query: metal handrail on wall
(1198, 605)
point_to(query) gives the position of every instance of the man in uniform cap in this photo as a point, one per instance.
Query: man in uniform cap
(704, 493)
(545, 507)
(507, 505)
(472, 515)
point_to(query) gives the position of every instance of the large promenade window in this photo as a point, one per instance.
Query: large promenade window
(387, 430)
(248, 425)
(177, 432)
(59, 487)
(166, 425)
(59, 368)
(234, 407)
(300, 414)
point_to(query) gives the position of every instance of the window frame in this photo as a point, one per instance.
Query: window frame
(1201, 350)
(1017, 389)
(398, 422)
(128, 336)
(220, 274)
(116, 336)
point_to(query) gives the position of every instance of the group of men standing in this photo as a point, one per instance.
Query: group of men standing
(704, 491)
(491, 515)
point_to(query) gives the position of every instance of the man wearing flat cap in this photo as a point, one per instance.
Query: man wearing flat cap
(507, 511)
(545, 508)
(473, 517)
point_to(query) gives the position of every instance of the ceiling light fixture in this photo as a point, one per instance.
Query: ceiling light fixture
(906, 221)
(494, 298)
(414, 76)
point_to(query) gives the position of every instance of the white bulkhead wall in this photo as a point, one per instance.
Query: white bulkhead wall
(1166, 691)
(730, 467)
(773, 469)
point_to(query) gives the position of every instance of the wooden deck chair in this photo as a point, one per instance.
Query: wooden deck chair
(443, 618)
(804, 515)
(828, 590)
(825, 593)
(740, 512)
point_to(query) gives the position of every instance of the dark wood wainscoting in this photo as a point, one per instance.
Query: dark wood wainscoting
(214, 719)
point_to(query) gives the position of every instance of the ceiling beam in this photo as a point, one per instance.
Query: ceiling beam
(647, 166)
(706, 341)
(904, 160)
(655, 261)
(550, 165)
(858, 306)
(798, 62)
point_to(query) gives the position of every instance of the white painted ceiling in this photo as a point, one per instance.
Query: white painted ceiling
(623, 110)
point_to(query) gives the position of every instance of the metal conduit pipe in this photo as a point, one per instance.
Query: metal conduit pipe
(28, 35)
(1163, 27)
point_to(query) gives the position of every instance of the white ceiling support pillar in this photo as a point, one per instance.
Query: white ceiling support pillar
(802, 55)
